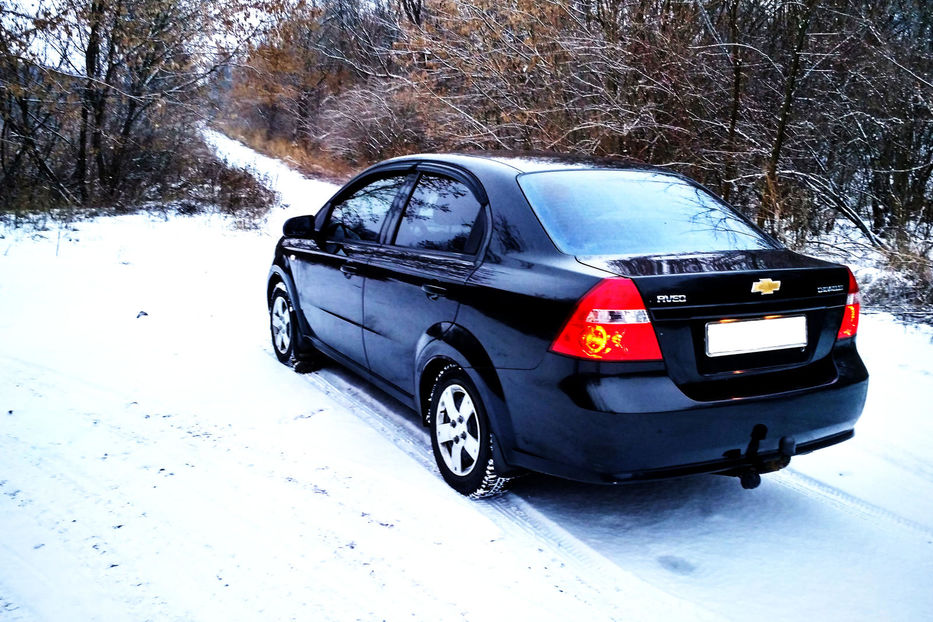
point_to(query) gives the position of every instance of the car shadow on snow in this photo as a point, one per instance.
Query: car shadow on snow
(589, 510)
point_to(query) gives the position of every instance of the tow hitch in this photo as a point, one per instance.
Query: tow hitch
(750, 479)
(756, 464)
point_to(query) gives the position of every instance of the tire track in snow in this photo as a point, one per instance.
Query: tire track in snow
(811, 487)
(599, 578)
(511, 512)
(416, 440)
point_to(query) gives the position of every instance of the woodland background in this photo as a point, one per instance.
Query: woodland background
(800, 113)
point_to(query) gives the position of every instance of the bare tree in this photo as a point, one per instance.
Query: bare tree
(101, 96)
(798, 111)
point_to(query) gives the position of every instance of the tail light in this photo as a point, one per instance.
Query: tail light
(610, 323)
(849, 325)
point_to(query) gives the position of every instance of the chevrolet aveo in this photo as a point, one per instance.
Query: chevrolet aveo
(580, 318)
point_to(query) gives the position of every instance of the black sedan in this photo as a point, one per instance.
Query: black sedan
(581, 318)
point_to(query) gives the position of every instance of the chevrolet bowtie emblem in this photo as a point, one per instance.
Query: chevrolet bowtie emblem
(766, 286)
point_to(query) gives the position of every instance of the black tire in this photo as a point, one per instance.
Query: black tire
(297, 353)
(282, 325)
(461, 437)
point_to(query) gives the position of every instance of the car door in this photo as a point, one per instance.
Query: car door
(414, 282)
(329, 275)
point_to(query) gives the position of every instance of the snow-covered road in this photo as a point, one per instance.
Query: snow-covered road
(166, 467)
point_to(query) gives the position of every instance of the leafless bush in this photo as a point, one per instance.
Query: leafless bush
(369, 123)
(234, 192)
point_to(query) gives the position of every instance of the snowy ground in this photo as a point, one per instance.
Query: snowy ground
(167, 467)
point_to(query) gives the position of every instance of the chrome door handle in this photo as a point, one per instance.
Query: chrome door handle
(434, 291)
(349, 270)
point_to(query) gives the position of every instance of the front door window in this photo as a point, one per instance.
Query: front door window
(359, 216)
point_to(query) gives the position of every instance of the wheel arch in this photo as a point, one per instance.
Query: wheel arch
(278, 274)
(460, 347)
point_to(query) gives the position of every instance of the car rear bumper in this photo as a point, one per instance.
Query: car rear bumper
(571, 419)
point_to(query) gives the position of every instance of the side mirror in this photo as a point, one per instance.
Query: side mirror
(299, 227)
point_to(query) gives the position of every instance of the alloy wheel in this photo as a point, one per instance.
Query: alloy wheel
(458, 430)
(281, 325)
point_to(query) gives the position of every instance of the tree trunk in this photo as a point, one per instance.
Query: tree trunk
(89, 96)
(736, 58)
(771, 200)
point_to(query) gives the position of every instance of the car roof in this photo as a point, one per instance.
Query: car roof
(529, 161)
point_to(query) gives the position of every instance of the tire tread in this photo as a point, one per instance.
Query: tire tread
(492, 484)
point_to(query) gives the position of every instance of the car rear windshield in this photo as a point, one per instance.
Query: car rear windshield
(617, 212)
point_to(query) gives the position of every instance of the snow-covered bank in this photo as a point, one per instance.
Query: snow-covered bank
(297, 194)
(165, 466)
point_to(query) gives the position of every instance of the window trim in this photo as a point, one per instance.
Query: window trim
(361, 181)
(483, 216)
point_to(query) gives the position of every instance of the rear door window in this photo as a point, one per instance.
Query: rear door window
(631, 212)
(441, 215)
(360, 215)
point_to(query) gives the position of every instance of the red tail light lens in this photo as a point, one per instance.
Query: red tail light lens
(610, 323)
(849, 325)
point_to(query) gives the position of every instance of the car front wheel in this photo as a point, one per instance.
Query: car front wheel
(282, 324)
(460, 436)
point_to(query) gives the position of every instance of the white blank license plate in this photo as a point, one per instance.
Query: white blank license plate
(745, 336)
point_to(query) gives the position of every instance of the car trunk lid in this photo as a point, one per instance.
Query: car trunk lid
(739, 323)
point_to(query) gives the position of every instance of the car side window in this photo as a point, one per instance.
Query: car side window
(441, 215)
(360, 215)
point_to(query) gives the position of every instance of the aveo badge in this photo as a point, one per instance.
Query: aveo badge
(765, 286)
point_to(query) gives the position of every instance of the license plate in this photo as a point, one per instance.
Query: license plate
(729, 337)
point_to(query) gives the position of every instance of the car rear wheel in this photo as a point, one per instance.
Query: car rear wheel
(460, 436)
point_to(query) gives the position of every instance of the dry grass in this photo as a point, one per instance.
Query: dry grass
(317, 164)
